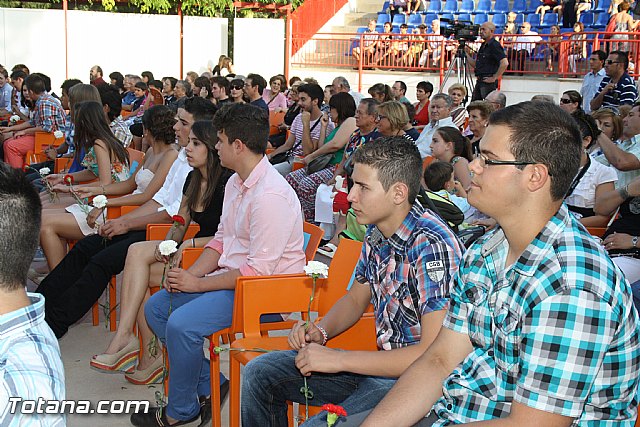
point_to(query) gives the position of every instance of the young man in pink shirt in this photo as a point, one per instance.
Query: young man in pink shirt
(199, 301)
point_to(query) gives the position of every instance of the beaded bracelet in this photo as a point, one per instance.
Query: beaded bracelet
(325, 336)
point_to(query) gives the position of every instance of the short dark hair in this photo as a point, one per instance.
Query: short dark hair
(437, 174)
(427, 87)
(21, 67)
(200, 108)
(246, 123)
(205, 83)
(46, 80)
(344, 105)
(403, 85)
(222, 83)
(557, 144)
(156, 83)
(68, 84)
(602, 55)
(257, 80)
(148, 75)
(20, 215)
(141, 86)
(119, 78)
(314, 91)
(371, 104)
(18, 74)
(588, 126)
(110, 96)
(4, 72)
(172, 81)
(623, 57)
(159, 121)
(396, 159)
(35, 83)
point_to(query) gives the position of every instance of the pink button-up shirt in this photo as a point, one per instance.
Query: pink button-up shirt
(260, 231)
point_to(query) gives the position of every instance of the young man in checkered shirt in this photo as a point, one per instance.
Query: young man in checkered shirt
(541, 328)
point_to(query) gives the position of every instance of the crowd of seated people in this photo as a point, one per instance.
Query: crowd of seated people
(206, 162)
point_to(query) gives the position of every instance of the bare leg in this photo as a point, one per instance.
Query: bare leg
(57, 227)
(141, 271)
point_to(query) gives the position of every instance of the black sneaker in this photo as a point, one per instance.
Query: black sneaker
(205, 404)
(154, 419)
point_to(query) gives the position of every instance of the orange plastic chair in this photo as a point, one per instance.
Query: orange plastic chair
(426, 162)
(274, 120)
(597, 231)
(268, 295)
(136, 158)
(62, 164)
(42, 140)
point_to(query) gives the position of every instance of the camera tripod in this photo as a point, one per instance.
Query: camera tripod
(460, 65)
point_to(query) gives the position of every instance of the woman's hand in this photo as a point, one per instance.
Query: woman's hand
(86, 192)
(92, 217)
(324, 121)
(61, 188)
(618, 241)
(54, 179)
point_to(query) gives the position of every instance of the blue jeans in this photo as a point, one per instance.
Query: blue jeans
(193, 317)
(269, 381)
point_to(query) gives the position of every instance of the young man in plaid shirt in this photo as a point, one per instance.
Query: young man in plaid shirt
(541, 329)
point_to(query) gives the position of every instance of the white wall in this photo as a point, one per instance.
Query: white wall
(258, 46)
(129, 43)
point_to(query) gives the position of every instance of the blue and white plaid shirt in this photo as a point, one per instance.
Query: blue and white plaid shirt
(30, 364)
(556, 331)
(410, 274)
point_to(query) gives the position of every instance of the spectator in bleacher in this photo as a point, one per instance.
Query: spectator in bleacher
(341, 84)
(400, 48)
(381, 92)
(479, 112)
(625, 155)
(577, 49)
(423, 94)
(617, 88)
(544, 7)
(384, 45)
(168, 86)
(593, 78)
(582, 6)
(567, 8)
(414, 6)
(220, 90)
(523, 47)
(49, 117)
(305, 128)
(489, 64)
(129, 96)
(369, 44)
(552, 46)
(95, 76)
(434, 46)
(408, 262)
(399, 90)
(624, 25)
(6, 91)
(206, 290)
(330, 143)
(571, 101)
(398, 6)
(224, 67)
(609, 123)
(459, 114)
(117, 79)
(254, 85)
(439, 116)
(273, 95)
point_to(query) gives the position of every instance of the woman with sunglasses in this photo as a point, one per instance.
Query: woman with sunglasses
(236, 91)
(571, 101)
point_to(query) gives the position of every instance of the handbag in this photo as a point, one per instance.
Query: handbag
(319, 163)
(284, 156)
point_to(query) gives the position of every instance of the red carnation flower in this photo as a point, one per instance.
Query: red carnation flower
(68, 179)
(25, 168)
(334, 412)
(178, 219)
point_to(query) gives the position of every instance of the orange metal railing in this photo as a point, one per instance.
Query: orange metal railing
(567, 53)
(307, 19)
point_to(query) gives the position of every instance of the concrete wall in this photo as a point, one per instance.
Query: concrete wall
(129, 43)
(258, 46)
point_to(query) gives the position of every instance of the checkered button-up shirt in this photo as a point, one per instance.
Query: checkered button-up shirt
(410, 274)
(555, 331)
(49, 115)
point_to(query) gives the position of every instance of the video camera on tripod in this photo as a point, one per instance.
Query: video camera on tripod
(463, 31)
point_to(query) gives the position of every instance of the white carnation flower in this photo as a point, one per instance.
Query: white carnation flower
(100, 201)
(316, 268)
(58, 134)
(14, 119)
(44, 171)
(167, 247)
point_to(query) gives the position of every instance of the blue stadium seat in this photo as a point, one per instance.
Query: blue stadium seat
(415, 19)
(379, 28)
(385, 7)
(532, 6)
(519, 6)
(434, 6)
(501, 6)
(549, 20)
(601, 21)
(396, 30)
(448, 16)
(467, 6)
(450, 6)
(519, 19)
(484, 6)
(398, 19)
(566, 30)
(464, 17)
(603, 6)
(430, 17)
(497, 33)
(382, 18)
(499, 20)
(587, 18)
(534, 20)
(481, 18)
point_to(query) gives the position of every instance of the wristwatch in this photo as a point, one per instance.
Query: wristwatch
(634, 241)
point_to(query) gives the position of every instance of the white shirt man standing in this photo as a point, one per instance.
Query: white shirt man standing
(593, 78)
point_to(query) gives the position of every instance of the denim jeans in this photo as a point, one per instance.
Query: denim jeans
(193, 317)
(269, 381)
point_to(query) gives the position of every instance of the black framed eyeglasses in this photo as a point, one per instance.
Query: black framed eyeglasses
(380, 117)
(484, 161)
(565, 101)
